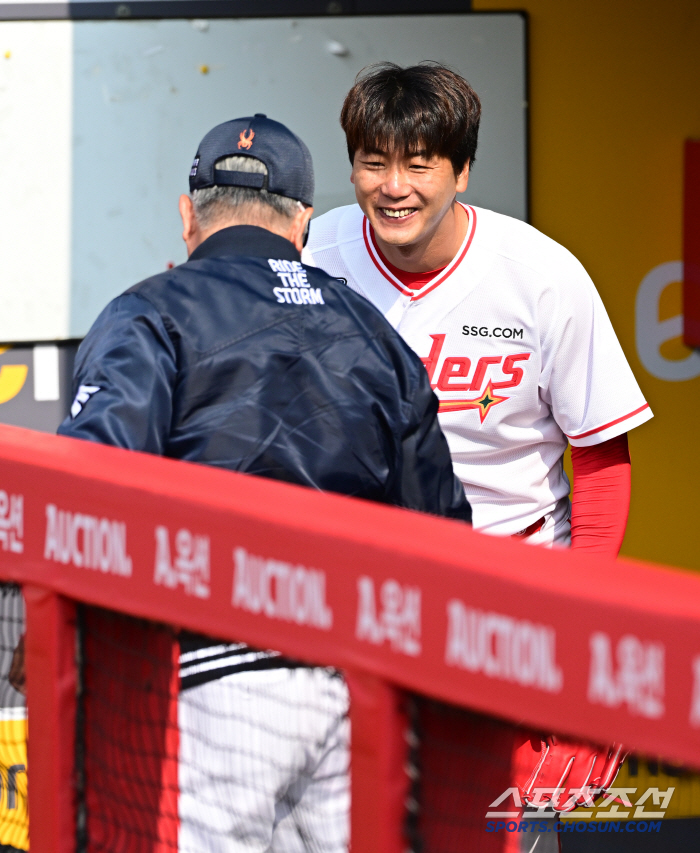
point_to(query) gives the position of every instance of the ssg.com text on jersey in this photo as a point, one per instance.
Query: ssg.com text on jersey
(498, 332)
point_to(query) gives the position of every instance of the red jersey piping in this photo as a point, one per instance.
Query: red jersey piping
(387, 276)
(451, 267)
(612, 423)
(412, 280)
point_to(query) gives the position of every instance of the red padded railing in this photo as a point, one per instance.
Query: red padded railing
(581, 645)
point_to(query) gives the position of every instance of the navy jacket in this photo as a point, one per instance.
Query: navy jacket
(245, 359)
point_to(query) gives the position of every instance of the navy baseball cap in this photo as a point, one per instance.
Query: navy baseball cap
(288, 160)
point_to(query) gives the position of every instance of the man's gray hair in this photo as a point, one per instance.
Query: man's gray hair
(214, 203)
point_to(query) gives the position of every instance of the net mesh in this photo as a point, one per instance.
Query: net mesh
(252, 754)
(463, 763)
(195, 744)
(127, 734)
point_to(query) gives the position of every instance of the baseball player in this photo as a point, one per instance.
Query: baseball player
(514, 337)
(245, 359)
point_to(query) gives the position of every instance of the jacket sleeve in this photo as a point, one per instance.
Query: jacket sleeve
(124, 378)
(427, 481)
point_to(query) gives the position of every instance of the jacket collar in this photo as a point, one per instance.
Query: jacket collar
(250, 240)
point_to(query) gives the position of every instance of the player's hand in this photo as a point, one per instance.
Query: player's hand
(16, 675)
(563, 774)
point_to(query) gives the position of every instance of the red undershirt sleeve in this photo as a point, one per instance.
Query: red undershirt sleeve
(601, 496)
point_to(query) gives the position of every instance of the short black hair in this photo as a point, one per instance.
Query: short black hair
(427, 108)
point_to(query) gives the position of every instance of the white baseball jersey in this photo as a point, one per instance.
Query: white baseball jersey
(519, 350)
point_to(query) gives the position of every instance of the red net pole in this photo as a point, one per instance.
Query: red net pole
(379, 783)
(51, 708)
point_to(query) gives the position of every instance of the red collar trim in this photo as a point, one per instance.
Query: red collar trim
(412, 280)
(372, 251)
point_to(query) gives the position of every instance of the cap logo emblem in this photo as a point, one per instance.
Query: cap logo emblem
(246, 141)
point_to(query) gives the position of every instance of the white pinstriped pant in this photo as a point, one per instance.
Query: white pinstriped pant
(264, 763)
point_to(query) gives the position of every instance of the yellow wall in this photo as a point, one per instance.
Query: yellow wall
(14, 823)
(614, 91)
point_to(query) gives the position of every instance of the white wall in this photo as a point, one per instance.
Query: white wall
(36, 94)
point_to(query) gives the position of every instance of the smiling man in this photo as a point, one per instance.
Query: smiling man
(514, 337)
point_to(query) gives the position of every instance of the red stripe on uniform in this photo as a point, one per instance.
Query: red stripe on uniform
(365, 228)
(472, 213)
(612, 423)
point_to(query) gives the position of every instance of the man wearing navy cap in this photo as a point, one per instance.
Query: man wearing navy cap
(246, 359)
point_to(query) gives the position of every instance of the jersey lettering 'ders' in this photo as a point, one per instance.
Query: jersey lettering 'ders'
(519, 350)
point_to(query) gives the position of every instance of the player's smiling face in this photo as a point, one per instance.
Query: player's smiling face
(409, 199)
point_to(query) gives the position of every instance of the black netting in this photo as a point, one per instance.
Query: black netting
(462, 763)
(127, 734)
(195, 745)
(253, 759)
(459, 763)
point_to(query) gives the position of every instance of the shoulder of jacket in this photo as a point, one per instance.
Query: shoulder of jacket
(125, 316)
(152, 285)
(133, 301)
(149, 301)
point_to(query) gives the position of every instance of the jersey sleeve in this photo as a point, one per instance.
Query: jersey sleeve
(124, 378)
(328, 235)
(586, 378)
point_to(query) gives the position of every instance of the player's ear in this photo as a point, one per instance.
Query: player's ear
(190, 226)
(463, 178)
(298, 230)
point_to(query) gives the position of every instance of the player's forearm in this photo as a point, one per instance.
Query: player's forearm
(601, 496)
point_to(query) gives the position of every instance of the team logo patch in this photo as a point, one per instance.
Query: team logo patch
(483, 403)
(81, 398)
(246, 141)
